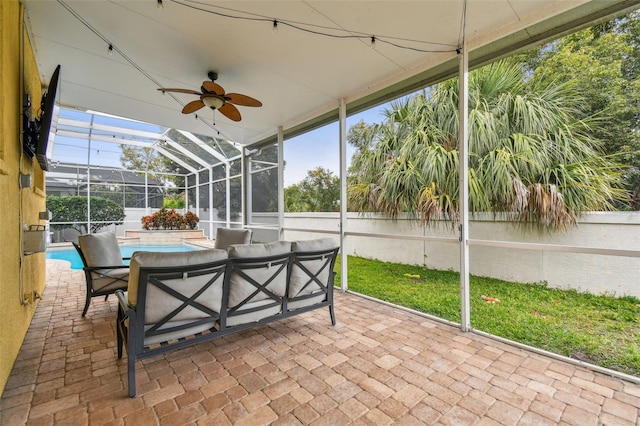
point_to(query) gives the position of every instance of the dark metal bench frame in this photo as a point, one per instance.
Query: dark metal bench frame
(130, 322)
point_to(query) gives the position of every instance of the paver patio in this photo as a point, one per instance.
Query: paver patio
(379, 365)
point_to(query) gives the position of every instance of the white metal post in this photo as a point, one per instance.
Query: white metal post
(197, 174)
(463, 138)
(342, 120)
(89, 181)
(146, 190)
(186, 192)
(247, 190)
(280, 183)
(211, 202)
(227, 192)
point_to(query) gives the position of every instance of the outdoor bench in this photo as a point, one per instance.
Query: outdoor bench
(175, 300)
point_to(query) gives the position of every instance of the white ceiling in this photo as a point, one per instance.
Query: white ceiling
(298, 75)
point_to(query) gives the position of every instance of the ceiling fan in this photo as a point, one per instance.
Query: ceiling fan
(214, 96)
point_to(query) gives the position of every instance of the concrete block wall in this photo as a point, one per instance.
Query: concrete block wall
(596, 274)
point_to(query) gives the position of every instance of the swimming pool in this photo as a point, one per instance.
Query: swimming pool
(71, 255)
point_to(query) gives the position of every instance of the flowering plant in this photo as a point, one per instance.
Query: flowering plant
(170, 219)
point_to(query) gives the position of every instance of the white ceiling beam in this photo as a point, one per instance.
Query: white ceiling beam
(193, 138)
(184, 151)
(103, 138)
(175, 159)
(106, 128)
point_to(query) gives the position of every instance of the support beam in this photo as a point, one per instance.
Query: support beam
(342, 122)
(227, 193)
(280, 183)
(193, 138)
(211, 234)
(244, 185)
(175, 159)
(463, 169)
(184, 151)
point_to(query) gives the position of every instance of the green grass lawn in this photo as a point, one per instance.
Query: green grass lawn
(601, 330)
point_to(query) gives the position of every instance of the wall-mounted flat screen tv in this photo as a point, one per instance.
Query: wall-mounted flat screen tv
(41, 131)
(49, 114)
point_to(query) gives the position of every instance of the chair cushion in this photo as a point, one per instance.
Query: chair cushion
(259, 250)
(228, 236)
(300, 282)
(313, 245)
(157, 259)
(110, 280)
(100, 249)
(240, 288)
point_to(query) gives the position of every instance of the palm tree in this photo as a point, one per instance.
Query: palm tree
(531, 158)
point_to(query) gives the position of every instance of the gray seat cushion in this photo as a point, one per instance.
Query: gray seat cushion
(103, 250)
(228, 236)
(100, 249)
(159, 304)
(157, 259)
(240, 288)
(301, 283)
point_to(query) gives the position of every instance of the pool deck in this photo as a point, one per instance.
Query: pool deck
(200, 242)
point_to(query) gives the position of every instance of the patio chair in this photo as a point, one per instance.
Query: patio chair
(228, 236)
(104, 269)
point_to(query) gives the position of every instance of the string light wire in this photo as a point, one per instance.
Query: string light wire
(320, 30)
(114, 48)
(339, 33)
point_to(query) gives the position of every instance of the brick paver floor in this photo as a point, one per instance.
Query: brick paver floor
(377, 366)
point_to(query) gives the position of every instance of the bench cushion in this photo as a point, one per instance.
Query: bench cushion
(240, 289)
(301, 283)
(158, 259)
(228, 236)
(259, 250)
(313, 245)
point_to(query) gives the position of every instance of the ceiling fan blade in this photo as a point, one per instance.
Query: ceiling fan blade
(230, 111)
(191, 92)
(192, 106)
(242, 100)
(210, 86)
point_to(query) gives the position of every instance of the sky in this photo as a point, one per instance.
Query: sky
(318, 148)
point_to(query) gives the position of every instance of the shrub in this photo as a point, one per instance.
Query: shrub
(72, 212)
(170, 219)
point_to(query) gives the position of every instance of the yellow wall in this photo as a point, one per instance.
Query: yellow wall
(17, 206)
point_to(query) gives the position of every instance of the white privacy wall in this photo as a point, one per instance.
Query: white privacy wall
(596, 274)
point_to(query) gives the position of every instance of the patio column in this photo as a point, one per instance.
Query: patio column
(280, 183)
(89, 179)
(245, 187)
(463, 138)
(227, 191)
(342, 120)
(146, 190)
(210, 185)
(197, 192)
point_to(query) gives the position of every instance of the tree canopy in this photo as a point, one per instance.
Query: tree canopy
(603, 65)
(319, 191)
(532, 153)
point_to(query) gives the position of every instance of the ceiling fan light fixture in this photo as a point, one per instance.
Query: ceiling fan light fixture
(213, 102)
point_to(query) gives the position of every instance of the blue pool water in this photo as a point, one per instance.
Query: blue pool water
(71, 255)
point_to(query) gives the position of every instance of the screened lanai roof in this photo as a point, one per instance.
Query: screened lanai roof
(77, 130)
(300, 58)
